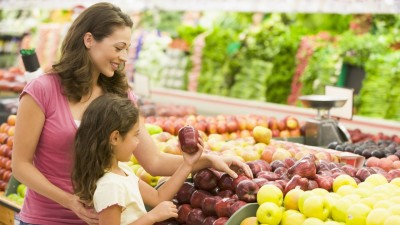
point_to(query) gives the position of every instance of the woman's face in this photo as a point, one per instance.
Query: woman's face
(112, 52)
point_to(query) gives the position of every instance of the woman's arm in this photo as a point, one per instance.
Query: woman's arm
(29, 125)
(164, 164)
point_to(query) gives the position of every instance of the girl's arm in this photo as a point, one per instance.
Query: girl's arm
(166, 192)
(164, 164)
(29, 125)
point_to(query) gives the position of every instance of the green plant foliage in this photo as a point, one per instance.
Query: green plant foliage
(380, 93)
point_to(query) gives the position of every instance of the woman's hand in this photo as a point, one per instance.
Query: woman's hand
(86, 214)
(230, 165)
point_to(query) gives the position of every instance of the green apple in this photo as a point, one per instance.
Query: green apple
(21, 190)
(384, 204)
(339, 209)
(395, 209)
(346, 190)
(269, 213)
(146, 177)
(270, 193)
(291, 217)
(378, 216)
(363, 192)
(376, 179)
(357, 214)
(262, 134)
(313, 221)
(341, 180)
(303, 197)
(320, 191)
(291, 199)
(316, 206)
(135, 168)
(153, 129)
(333, 223)
(134, 160)
(394, 219)
(396, 181)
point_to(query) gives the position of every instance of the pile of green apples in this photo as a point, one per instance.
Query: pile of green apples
(372, 202)
(19, 196)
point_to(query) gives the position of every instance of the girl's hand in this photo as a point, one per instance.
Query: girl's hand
(86, 214)
(230, 165)
(163, 211)
(191, 159)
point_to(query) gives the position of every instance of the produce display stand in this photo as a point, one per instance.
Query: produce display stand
(248, 210)
(214, 105)
(9, 210)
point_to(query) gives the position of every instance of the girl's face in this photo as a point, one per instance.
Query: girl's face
(125, 146)
(111, 52)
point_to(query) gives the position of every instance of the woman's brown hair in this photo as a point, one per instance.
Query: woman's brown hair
(92, 149)
(74, 67)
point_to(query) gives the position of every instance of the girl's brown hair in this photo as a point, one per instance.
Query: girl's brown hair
(93, 154)
(74, 67)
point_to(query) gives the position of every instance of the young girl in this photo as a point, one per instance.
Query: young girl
(105, 139)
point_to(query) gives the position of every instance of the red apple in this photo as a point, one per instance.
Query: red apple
(260, 181)
(208, 205)
(198, 196)
(222, 207)
(270, 176)
(225, 194)
(209, 220)
(247, 191)
(188, 139)
(232, 125)
(263, 164)
(171, 221)
(236, 206)
(221, 221)
(195, 217)
(185, 193)
(254, 167)
(238, 179)
(205, 179)
(183, 212)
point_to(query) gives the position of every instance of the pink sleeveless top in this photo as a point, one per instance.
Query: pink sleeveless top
(53, 155)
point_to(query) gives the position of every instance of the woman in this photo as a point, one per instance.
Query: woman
(93, 54)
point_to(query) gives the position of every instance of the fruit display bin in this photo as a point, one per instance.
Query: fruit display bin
(344, 157)
(248, 210)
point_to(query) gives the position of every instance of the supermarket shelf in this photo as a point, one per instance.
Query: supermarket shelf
(303, 6)
(9, 204)
(214, 105)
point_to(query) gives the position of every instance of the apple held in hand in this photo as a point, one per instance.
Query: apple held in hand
(188, 139)
(269, 213)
